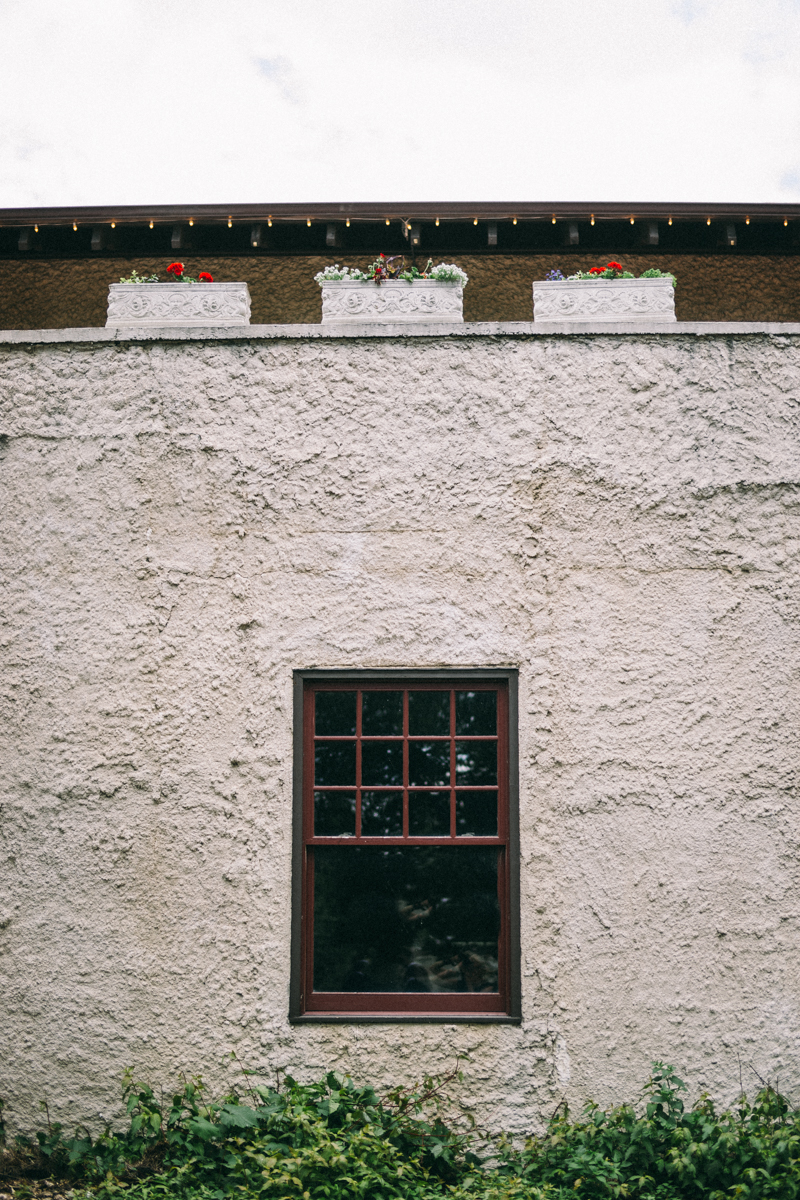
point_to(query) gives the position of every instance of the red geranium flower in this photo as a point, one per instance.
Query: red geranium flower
(175, 269)
(614, 267)
(204, 277)
(596, 270)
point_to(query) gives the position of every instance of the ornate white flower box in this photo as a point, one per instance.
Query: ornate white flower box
(139, 305)
(597, 301)
(395, 301)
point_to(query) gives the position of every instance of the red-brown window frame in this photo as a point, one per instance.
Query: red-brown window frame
(503, 1006)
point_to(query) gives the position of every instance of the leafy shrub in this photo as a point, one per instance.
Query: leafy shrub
(332, 1140)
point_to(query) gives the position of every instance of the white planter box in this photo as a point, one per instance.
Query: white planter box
(396, 302)
(634, 301)
(139, 305)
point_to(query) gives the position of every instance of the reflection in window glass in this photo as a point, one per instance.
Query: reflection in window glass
(382, 763)
(335, 714)
(335, 764)
(476, 763)
(334, 814)
(381, 814)
(382, 714)
(405, 919)
(429, 714)
(428, 763)
(476, 814)
(429, 814)
(476, 713)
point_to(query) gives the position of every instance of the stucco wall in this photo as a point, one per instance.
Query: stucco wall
(723, 287)
(184, 523)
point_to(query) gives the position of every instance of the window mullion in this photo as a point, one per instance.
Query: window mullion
(405, 763)
(452, 762)
(359, 697)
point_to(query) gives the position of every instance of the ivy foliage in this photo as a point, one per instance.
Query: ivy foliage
(332, 1140)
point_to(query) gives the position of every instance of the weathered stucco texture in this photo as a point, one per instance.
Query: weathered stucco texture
(65, 293)
(186, 523)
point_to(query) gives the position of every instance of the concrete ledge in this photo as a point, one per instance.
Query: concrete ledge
(24, 337)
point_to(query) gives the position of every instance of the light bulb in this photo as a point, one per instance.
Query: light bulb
(151, 224)
(553, 220)
(269, 222)
(75, 225)
(230, 223)
(36, 229)
(475, 222)
(747, 220)
(785, 222)
(387, 220)
(308, 222)
(591, 222)
(347, 223)
(437, 220)
(708, 220)
(632, 220)
(191, 221)
(513, 220)
(669, 222)
(113, 224)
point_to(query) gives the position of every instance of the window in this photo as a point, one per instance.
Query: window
(405, 847)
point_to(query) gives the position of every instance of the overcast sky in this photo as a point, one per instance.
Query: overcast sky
(180, 101)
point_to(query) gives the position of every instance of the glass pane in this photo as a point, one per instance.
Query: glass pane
(405, 919)
(428, 763)
(429, 713)
(382, 714)
(476, 762)
(429, 814)
(381, 814)
(476, 814)
(476, 712)
(334, 814)
(334, 764)
(335, 714)
(382, 763)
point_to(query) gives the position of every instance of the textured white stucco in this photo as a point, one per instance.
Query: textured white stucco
(186, 522)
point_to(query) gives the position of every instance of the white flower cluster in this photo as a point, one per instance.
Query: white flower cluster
(336, 273)
(448, 273)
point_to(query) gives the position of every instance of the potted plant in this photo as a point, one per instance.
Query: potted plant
(391, 291)
(142, 301)
(605, 294)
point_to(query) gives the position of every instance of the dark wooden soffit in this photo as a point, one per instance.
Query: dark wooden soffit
(420, 211)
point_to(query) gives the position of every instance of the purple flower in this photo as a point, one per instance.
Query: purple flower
(555, 274)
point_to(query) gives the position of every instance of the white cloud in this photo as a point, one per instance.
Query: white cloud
(171, 101)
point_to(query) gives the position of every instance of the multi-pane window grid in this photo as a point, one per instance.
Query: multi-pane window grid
(412, 765)
(417, 776)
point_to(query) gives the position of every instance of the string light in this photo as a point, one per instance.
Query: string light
(347, 223)
(191, 221)
(513, 220)
(308, 222)
(113, 224)
(75, 226)
(269, 222)
(785, 222)
(708, 220)
(553, 220)
(669, 222)
(36, 229)
(151, 224)
(475, 222)
(747, 220)
(387, 220)
(437, 220)
(591, 222)
(230, 223)
(632, 220)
